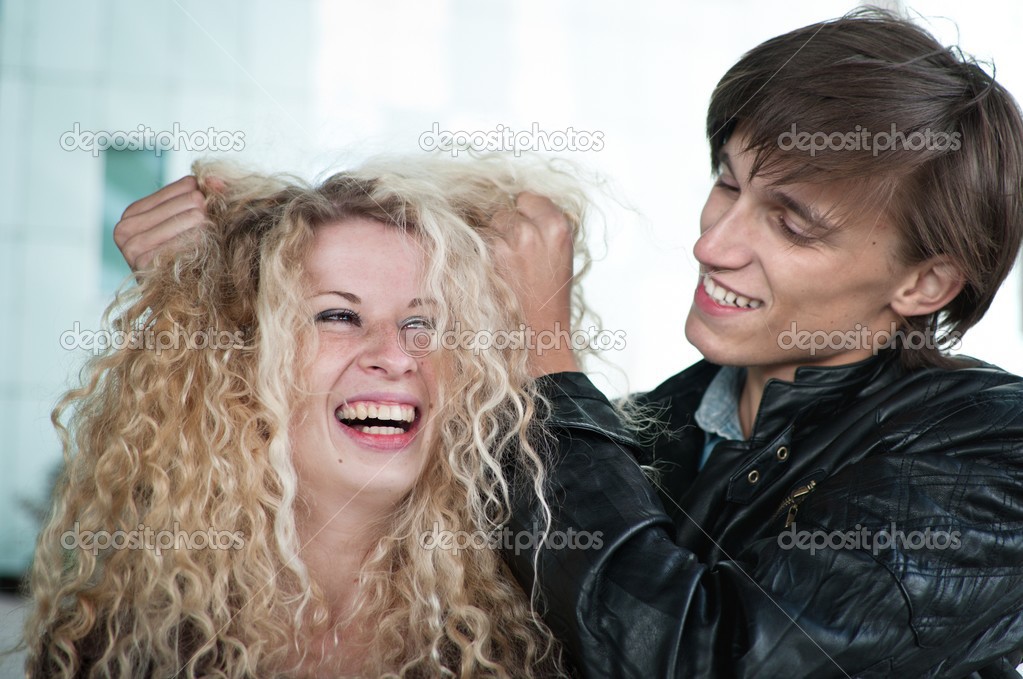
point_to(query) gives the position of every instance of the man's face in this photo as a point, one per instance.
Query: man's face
(760, 249)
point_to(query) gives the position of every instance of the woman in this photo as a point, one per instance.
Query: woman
(278, 402)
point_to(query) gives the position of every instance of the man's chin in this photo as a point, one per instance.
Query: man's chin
(713, 347)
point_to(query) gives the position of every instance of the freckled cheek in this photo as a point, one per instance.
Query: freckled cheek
(430, 375)
(335, 353)
(324, 370)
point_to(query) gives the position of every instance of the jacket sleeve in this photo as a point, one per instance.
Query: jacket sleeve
(627, 601)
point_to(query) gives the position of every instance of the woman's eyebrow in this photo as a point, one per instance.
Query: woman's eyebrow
(351, 297)
(355, 299)
(417, 301)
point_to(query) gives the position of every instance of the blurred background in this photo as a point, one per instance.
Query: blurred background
(310, 86)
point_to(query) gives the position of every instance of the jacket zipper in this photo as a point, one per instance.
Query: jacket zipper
(792, 502)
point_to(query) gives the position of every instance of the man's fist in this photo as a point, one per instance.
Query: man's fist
(535, 255)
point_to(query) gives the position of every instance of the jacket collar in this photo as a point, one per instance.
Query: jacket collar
(818, 388)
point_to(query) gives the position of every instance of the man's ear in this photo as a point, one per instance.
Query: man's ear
(928, 287)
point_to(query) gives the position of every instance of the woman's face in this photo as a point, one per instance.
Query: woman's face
(361, 439)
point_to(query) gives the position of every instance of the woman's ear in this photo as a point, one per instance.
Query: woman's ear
(928, 287)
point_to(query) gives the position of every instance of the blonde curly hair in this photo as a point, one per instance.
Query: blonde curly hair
(177, 436)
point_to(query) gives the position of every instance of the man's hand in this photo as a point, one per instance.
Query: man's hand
(150, 224)
(535, 256)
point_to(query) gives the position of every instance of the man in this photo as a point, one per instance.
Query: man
(834, 496)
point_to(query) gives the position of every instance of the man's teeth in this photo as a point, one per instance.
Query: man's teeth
(727, 297)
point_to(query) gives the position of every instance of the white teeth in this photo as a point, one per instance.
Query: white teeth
(726, 297)
(382, 411)
(382, 431)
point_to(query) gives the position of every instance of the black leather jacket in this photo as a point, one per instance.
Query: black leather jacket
(701, 578)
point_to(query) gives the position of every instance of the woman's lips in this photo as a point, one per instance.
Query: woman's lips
(380, 425)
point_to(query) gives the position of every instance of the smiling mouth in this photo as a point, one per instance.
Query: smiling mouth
(726, 297)
(378, 419)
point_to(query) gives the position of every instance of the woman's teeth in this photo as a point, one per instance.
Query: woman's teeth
(387, 431)
(726, 297)
(375, 416)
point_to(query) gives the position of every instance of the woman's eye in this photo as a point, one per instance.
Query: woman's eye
(339, 316)
(418, 322)
(417, 336)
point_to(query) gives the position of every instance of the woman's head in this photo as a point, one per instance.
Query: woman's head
(360, 437)
(258, 435)
(351, 279)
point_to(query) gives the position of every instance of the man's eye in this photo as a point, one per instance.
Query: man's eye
(723, 184)
(339, 316)
(796, 237)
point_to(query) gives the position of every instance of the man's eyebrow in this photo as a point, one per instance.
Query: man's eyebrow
(726, 160)
(814, 219)
(807, 213)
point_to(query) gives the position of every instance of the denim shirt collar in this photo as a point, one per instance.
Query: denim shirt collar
(718, 412)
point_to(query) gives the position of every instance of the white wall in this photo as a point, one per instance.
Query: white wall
(640, 73)
(109, 65)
